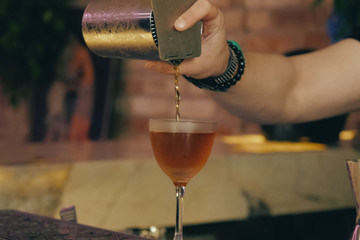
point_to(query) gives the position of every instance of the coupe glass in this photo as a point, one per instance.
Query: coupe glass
(181, 149)
(353, 170)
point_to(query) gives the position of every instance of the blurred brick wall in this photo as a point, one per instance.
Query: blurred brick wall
(273, 26)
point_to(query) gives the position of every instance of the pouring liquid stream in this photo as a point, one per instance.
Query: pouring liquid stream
(176, 64)
(177, 92)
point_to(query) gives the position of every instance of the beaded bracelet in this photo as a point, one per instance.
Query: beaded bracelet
(230, 77)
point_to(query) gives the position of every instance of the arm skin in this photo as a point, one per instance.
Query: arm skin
(274, 88)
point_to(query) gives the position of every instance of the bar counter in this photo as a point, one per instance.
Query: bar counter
(16, 225)
(117, 185)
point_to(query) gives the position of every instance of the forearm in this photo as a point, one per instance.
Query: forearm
(276, 89)
(264, 92)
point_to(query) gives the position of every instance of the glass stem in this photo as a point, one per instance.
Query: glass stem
(180, 191)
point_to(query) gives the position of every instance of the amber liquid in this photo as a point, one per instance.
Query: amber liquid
(181, 155)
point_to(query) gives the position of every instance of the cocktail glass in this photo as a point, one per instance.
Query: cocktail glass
(181, 149)
(353, 170)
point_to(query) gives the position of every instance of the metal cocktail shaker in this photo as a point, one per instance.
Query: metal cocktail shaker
(140, 29)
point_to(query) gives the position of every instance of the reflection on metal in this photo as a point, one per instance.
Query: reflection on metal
(152, 232)
(175, 45)
(119, 29)
(140, 29)
(258, 144)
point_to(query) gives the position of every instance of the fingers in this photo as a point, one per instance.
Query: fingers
(214, 54)
(160, 66)
(201, 10)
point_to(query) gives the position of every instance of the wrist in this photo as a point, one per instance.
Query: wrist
(223, 62)
(233, 73)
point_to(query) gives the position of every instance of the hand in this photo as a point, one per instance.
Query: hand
(214, 57)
